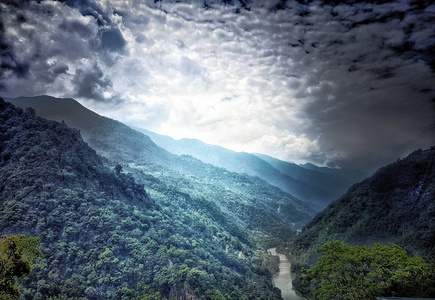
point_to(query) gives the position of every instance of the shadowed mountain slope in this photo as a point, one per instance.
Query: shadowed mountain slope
(316, 186)
(316, 192)
(250, 198)
(98, 131)
(395, 205)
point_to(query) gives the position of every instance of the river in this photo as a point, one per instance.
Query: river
(283, 279)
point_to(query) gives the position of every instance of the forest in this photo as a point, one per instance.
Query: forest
(104, 236)
(129, 220)
(395, 206)
(360, 272)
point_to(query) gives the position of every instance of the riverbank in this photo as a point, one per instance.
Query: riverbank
(283, 279)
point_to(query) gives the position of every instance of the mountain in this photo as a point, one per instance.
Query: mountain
(317, 186)
(395, 205)
(351, 175)
(99, 132)
(105, 237)
(121, 143)
(329, 183)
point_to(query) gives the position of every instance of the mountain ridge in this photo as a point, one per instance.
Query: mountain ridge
(310, 185)
(251, 164)
(104, 237)
(110, 137)
(120, 143)
(394, 205)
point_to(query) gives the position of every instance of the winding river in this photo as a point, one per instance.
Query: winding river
(283, 279)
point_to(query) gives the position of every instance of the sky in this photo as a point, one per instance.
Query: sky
(336, 83)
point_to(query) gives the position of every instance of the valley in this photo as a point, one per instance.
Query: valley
(134, 221)
(217, 149)
(284, 278)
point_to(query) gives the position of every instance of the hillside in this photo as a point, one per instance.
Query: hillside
(252, 200)
(103, 236)
(395, 205)
(314, 186)
(99, 132)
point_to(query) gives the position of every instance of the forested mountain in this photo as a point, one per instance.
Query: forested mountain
(250, 198)
(314, 187)
(321, 184)
(395, 205)
(103, 236)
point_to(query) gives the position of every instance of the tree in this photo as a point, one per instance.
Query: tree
(118, 169)
(17, 253)
(345, 272)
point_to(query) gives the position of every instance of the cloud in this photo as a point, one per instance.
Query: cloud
(91, 83)
(112, 39)
(325, 82)
(364, 94)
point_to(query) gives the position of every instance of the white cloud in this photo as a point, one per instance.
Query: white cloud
(331, 86)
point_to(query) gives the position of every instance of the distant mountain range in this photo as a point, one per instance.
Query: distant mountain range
(315, 186)
(122, 144)
(318, 186)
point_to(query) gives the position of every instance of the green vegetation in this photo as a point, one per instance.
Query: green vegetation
(17, 253)
(357, 273)
(104, 237)
(394, 206)
(254, 200)
(198, 230)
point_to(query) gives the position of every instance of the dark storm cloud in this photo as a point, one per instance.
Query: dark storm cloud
(10, 64)
(364, 95)
(45, 45)
(112, 39)
(90, 8)
(91, 83)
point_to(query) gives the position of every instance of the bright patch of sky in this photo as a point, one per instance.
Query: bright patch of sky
(346, 85)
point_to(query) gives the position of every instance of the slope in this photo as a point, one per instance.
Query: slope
(314, 186)
(261, 205)
(329, 183)
(319, 194)
(395, 205)
(98, 131)
(103, 237)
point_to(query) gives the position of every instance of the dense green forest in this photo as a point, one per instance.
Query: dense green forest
(394, 206)
(104, 237)
(17, 254)
(128, 220)
(360, 272)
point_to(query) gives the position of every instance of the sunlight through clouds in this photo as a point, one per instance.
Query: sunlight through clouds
(346, 84)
